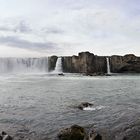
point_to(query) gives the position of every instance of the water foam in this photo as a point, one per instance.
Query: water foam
(93, 108)
(23, 65)
(58, 67)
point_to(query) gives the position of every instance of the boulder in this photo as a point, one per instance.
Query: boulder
(75, 132)
(84, 105)
(61, 74)
(94, 136)
(107, 74)
(5, 136)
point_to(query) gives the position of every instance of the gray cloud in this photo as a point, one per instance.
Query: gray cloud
(21, 43)
(100, 26)
(23, 27)
(20, 26)
(16, 25)
(3, 28)
(52, 31)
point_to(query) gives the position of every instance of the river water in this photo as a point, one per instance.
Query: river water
(37, 106)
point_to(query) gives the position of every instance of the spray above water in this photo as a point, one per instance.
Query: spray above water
(23, 65)
(93, 108)
(58, 66)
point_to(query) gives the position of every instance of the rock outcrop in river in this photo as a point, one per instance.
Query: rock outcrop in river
(77, 132)
(84, 105)
(5, 136)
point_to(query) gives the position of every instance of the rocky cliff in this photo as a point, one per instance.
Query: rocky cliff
(128, 63)
(52, 62)
(85, 62)
(90, 64)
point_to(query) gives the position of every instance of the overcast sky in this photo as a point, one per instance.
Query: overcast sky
(66, 27)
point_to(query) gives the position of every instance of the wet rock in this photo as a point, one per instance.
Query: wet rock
(95, 74)
(94, 136)
(5, 136)
(61, 74)
(124, 138)
(75, 132)
(84, 105)
(108, 75)
(98, 137)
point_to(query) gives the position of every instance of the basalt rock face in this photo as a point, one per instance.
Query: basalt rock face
(85, 62)
(128, 63)
(52, 62)
(90, 64)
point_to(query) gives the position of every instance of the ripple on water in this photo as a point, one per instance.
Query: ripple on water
(42, 104)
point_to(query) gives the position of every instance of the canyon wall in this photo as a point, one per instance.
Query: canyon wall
(128, 63)
(90, 64)
(52, 62)
(85, 62)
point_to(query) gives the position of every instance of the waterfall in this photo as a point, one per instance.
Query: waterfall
(108, 66)
(23, 65)
(58, 66)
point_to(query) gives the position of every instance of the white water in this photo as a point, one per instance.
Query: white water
(93, 108)
(58, 67)
(108, 66)
(23, 65)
